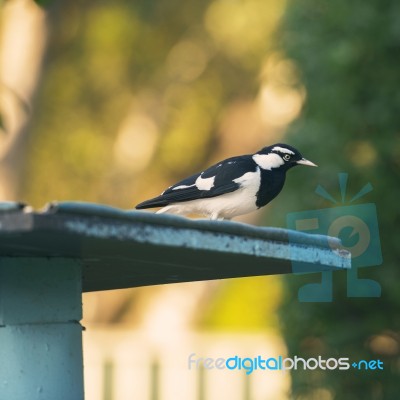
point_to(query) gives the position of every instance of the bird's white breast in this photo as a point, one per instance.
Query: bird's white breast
(229, 205)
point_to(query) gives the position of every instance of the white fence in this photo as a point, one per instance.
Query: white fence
(129, 365)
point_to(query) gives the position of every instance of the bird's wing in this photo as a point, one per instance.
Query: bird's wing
(214, 181)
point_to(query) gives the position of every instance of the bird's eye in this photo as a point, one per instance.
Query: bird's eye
(286, 157)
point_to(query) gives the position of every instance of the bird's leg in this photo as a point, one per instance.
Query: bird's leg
(216, 217)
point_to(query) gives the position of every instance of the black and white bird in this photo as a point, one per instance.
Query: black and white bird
(232, 187)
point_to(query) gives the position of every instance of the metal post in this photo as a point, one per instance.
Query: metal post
(40, 333)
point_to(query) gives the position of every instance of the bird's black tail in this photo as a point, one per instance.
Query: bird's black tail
(152, 203)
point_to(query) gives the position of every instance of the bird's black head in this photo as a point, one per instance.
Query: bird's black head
(282, 156)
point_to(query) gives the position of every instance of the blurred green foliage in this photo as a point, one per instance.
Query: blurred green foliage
(43, 3)
(348, 56)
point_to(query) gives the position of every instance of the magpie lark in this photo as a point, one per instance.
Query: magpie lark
(232, 187)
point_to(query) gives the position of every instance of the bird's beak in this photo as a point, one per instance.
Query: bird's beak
(303, 161)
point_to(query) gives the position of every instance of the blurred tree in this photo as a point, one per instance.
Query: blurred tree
(347, 56)
(23, 33)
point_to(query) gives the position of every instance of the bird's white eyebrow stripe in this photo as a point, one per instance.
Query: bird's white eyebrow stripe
(282, 150)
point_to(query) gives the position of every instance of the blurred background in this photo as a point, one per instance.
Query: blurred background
(111, 102)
